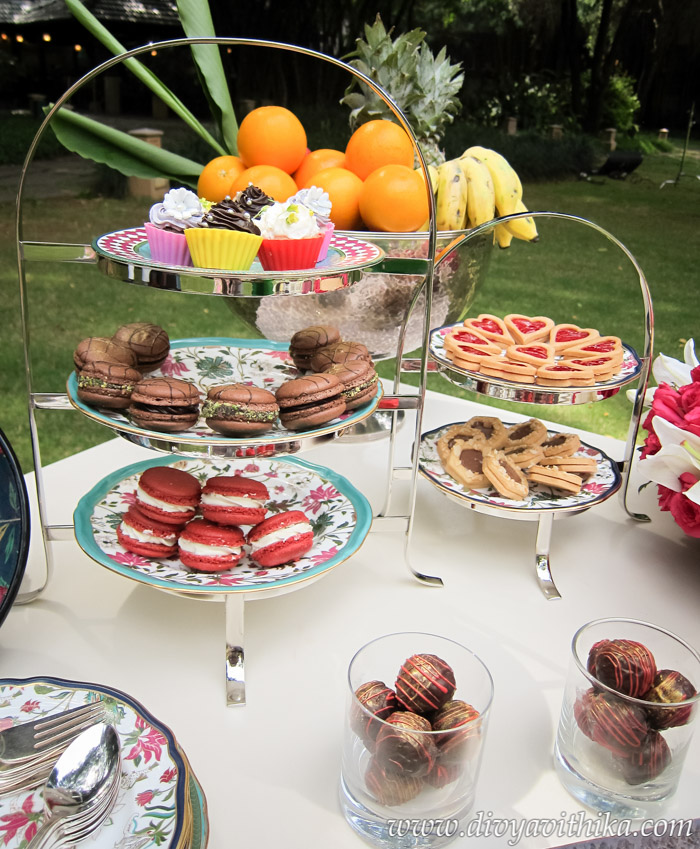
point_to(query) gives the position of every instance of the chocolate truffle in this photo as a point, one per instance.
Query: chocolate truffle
(443, 774)
(614, 724)
(424, 683)
(669, 687)
(391, 790)
(623, 665)
(647, 762)
(453, 746)
(403, 747)
(376, 699)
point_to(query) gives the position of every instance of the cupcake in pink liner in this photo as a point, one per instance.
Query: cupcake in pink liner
(227, 238)
(291, 237)
(318, 201)
(179, 210)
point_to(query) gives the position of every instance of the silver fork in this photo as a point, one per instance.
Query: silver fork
(45, 737)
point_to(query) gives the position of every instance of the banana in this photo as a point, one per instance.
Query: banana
(481, 197)
(433, 172)
(451, 210)
(523, 228)
(506, 183)
(502, 236)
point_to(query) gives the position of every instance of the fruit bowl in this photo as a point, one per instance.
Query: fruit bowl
(373, 310)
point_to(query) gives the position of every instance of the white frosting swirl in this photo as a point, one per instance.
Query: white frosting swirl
(179, 210)
(315, 199)
(288, 221)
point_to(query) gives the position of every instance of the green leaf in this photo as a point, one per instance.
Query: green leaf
(125, 153)
(147, 77)
(195, 17)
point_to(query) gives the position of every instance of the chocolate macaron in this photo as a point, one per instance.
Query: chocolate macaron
(305, 343)
(149, 342)
(108, 385)
(237, 409)
(168, 495)
(208, 547)
(360, 382)
(164, 404)
(234, 500)
(140, 534)
(339, 354)
(103, 349)
(281, 538)
(308, 402)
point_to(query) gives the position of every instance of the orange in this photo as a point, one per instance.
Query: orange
(394, 199)
(273, 181)
(215, 180)
(343, 189)
(377, 143)
(272, 135)
(318, 160)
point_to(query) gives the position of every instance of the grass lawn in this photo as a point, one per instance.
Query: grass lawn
(571, 274)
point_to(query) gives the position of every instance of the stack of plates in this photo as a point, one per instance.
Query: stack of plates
(160, 801)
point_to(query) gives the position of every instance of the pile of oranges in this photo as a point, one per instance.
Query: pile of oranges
(372, 184)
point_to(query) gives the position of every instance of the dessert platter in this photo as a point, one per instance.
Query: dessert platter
(210, 362)
(160, 801)
(339, 514)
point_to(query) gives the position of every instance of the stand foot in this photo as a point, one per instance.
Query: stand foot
(542, 570)
(235, 669)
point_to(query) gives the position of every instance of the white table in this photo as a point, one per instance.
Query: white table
(270, 769)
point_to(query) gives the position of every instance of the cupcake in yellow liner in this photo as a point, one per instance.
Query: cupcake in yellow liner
(292, 237)
(227, 238)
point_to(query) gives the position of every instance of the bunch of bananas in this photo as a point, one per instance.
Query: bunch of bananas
(477, 187)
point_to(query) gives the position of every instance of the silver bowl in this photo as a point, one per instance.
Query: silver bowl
(373, 310)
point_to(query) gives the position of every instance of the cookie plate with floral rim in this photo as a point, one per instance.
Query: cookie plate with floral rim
(151, 806)
(209, 362)
(339, 514)
(541, 499)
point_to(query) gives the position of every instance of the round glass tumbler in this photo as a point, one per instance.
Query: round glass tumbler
(409, 776)
(627, 716)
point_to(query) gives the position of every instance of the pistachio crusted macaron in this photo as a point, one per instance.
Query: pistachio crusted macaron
(237, 409)
(107, 384)
(359, 380)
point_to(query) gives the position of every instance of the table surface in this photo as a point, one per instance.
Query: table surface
(270, 768)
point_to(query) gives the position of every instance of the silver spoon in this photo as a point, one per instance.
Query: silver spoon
(82, 783)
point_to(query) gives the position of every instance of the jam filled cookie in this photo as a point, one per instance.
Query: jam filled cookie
(525, 456)
(610, 345)
(526, 329)
(465, 464)
(582, 466)
(531, 432)
(554, 477)
(459, 432)
(508, 370)
(564, 336)
(603, 366)
(564, 376)
(536, 353)
(492, 327)
(561, 445)
(468, 357)
(505, 477)
(461, 336)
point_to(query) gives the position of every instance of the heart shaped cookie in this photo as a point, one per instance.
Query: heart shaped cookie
(538, 354)
(610, 345)
(461, 336)
(603, 366)
(564, 336)
(492, 327)
(468, 356)
(561, 375)
(524, 328)
(508, 370)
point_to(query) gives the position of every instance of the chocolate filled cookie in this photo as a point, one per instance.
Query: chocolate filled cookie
(459, 432)
(505, 477)
(491, 429)
(531, 432)
(561, 445)
(525, 455)
(465, 464)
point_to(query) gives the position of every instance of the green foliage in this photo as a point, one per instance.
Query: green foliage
(620, 104)
(17, 132)
(537, 100)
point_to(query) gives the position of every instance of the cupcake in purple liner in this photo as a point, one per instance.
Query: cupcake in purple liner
(179, 211)
(227, 238)
(318, 201)
(291, 237)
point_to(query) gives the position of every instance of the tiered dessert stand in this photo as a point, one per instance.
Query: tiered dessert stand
(123, 256)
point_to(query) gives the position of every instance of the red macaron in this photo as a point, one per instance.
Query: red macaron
(208, 547)
(168, 495)
(140, 534)
(234, 500)
(281, 538)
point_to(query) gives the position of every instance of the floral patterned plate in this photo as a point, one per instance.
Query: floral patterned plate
(341, 517)
(214, 361)
(597, 488)
(150, 807)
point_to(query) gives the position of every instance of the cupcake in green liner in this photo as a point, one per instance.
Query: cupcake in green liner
(227, 238)
(292, 237)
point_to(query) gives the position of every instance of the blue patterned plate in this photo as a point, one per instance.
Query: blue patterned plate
(14, 526)
(340, 515)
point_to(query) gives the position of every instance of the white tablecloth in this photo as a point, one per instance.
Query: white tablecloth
(270, 769)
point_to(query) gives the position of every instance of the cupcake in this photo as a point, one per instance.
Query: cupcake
(291, 237)
(228, 238)
(320, 204)
(179, 211)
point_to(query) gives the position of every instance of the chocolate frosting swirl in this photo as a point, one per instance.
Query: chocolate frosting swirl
(228, 215)
(252, 200)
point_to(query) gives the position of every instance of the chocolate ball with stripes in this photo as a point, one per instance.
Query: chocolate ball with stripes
(405, 745)
(424, 683)
(623, 665)
(375, 701)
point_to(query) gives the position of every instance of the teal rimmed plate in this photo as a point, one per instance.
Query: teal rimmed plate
(150, 808)
(340, 515)
(213, 361)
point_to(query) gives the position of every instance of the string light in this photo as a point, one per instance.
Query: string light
(77, 47)
(4, 36)
(19, 38)
(46, 37)
(154, 52)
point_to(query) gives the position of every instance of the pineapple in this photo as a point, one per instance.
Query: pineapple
(424, 86)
